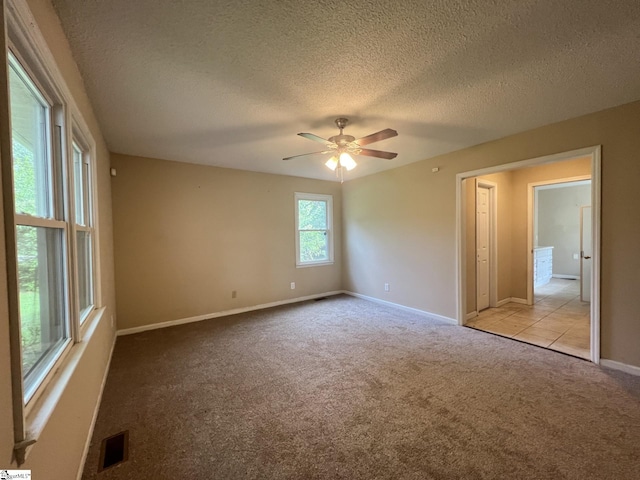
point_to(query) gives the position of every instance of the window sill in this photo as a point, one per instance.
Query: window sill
(315, 264)
(40, 413)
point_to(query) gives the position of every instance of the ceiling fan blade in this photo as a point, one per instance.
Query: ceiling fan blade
(316, 138)
(307, 154)
(376, 137)
(377, 153)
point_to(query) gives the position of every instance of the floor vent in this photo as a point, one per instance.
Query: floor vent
(114, 450)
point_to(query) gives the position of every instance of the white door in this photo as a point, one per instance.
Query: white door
(482, 247)
(586, 253)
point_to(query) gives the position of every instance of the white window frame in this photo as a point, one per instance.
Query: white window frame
(87, 148)
(31, 412)
(55, 158)
(329, 231)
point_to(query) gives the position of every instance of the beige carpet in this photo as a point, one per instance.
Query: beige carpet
(348, 389)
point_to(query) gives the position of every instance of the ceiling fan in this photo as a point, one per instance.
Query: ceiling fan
(342, 146)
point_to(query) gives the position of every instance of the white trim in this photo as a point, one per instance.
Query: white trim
(622, 367)
(566, 277)
(320, 197)
(94, 418)
(595, 153)
(522, 301)
(39, 415)
(596, 192)
(471, 315)
(402, 307)
(461, 257)
(224, 313)
(504, 301)
(31, 221)
(493, 239)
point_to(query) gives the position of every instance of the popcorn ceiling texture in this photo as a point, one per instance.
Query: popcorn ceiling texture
(230, 83)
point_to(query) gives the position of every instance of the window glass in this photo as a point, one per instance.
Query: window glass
(314, 229)
(31, 166)
(78, 184)
(41, 294)
(85, 271)
(41, 245)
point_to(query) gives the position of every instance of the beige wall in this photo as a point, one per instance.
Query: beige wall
(521, 179)
(187, 235)
(399, 225)
(558, 212)
(58, 452)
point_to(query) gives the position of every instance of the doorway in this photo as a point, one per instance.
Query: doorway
(557, 276)
(516, 267)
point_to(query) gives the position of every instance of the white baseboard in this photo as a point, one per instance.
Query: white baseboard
(623, 367)
(567, 277)
(402, 307)
(522, 301)
(504, 301)
(87, 443)
(471, 315)
(224, 313)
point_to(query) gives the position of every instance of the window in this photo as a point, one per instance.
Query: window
(40, 228)
(48, 187)
(55, 237)
(83, 228)
(314, 238)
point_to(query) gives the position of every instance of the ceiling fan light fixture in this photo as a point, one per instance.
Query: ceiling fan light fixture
(342, 147)
(332, 163)
(347, 161)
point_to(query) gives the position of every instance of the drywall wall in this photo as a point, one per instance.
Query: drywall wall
(187, 235)
(58, 453)
(521, 178)
(558, 212)
(400, 225)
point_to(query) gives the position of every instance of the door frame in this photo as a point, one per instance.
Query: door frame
(531, 217)
(582, 256)
(493, 240)
(595, 153)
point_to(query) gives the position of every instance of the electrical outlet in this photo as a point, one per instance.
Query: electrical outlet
(234, 294)
(111, 321)
(293, 285)
(386, 287)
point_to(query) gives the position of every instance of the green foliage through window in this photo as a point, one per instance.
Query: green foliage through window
(313, 231)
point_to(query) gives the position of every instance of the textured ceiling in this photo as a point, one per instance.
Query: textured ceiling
(231, 82)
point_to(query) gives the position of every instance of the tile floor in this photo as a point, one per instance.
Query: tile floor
(558, 319)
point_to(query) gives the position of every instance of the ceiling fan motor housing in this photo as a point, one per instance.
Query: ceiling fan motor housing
(342, 140)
